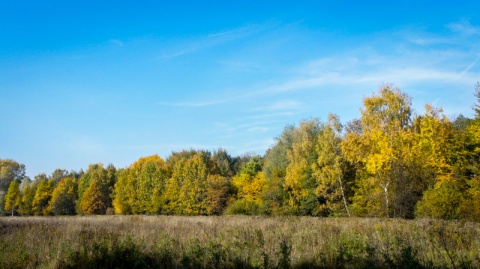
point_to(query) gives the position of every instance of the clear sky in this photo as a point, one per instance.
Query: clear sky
(110, 81)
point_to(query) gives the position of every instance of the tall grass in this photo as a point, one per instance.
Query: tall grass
(236, 242)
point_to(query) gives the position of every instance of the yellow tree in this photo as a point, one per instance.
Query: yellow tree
(63, 197)
(139, 188)
(382, 149)
(28, 194)
(186, 191)
(124, 193)
(249, 185)
(300, 183)
(104, 180)
(470, 206)
(434, 149)
(12, 198)
(43, 194)
(94, 199)
(329, 169)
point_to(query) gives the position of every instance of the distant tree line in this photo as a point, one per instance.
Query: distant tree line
(390, 162)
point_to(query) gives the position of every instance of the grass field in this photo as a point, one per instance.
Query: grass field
(236, 242)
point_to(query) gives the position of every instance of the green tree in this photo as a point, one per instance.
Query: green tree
(58, 174)
(274, 195)
(223, 163)
(43, 194)
(12, 198)
(64, 197)
(10, 170)
(477, 105)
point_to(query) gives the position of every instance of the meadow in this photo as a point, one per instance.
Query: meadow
(236, 242)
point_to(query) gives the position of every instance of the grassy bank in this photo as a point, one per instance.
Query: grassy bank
(236, 242)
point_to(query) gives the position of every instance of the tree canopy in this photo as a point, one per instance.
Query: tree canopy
(390, 162)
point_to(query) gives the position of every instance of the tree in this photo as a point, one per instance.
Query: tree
(441, 201)
(104, 181)
(12, 198)
(186, 191)
(223, 163)
(58, 174)
(219, 191)
(28, 195)
(248, 186)
(329, 170)
(300, 183)
(276, 158)
(63, 197)
(477, 105)
(43, 194)
(140, 187)
(10, 170)
(382, 150)
(95, 199)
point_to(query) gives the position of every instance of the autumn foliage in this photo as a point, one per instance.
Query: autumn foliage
(390, 162)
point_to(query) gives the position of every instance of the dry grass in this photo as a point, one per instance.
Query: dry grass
(236, 242)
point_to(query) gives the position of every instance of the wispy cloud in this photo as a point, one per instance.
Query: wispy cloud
(464, 28)
(283, 105)
(116, 42)
(467, 69)
(192, 104)
(192, 45)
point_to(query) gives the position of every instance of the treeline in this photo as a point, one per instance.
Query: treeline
(391, 162)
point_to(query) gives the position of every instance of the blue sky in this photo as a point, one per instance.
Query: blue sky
(111, 81)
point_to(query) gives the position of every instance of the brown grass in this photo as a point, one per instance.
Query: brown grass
(236, 242)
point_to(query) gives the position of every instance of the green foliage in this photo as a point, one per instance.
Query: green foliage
(10, 170)
(477, 105)
(224, 164)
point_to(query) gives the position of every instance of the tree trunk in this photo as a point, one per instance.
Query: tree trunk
(343, 196)
(385, 190)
